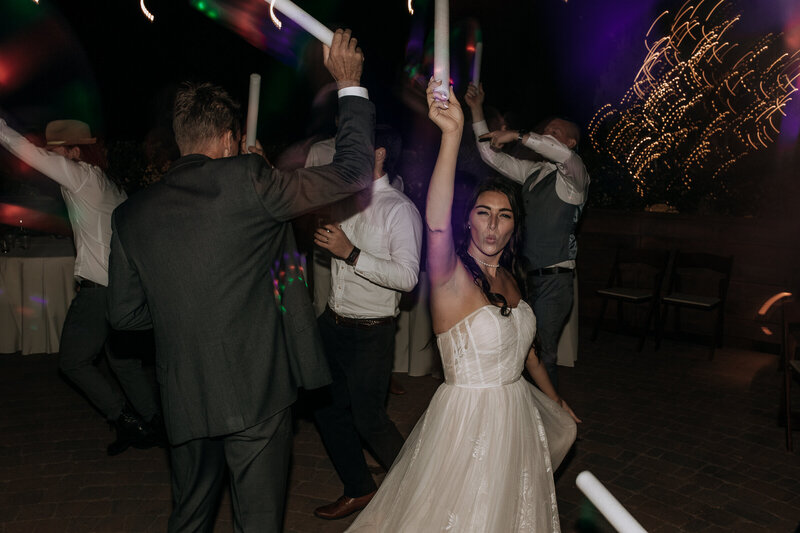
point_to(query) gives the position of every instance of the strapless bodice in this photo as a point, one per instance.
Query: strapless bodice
(486, 349)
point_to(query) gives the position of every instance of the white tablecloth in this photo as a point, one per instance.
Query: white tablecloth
(36, 288)
(415, 348)
(568, 343)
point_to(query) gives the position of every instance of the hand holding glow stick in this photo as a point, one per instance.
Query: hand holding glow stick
(252, 109)
(302, 19)
(607, 504)
(441, 49)
(476, 64)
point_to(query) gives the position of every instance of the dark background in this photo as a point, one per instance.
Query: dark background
(105, 63)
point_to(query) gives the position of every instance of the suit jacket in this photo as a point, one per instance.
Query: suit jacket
(207, 258)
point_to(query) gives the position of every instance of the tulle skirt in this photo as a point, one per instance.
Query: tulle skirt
(479, 460)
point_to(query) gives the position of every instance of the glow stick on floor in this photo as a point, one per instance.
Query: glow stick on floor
(607, 504)
(476, 64)
(252, 109)
(441, 49)
(302, 19)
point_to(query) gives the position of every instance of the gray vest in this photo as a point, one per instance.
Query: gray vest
(549, 223)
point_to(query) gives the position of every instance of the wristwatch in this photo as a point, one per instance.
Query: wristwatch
(521, 134)
(351, 259)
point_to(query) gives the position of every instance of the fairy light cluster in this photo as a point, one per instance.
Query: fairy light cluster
(700, 102)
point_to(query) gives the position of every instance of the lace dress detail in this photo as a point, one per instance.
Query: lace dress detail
(482, 456)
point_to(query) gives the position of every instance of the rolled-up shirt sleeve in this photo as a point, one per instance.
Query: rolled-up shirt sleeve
(401, 271)
(573, 179)
(510, 167)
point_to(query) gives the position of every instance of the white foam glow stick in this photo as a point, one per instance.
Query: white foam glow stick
(476, 64)
(441, 48)
(252, 109)
(607, 504)
(303, 19)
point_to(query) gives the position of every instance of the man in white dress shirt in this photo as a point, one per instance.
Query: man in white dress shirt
(554, 193)
(375, 242)
(75, 162)
(321, 153)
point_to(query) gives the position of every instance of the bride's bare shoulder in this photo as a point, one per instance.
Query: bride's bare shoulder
(455, 300)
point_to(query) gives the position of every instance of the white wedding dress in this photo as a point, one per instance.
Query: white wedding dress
(481, 458)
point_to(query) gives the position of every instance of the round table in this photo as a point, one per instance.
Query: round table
(37, 285)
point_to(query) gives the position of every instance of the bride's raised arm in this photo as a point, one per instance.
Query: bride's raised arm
(442, 259)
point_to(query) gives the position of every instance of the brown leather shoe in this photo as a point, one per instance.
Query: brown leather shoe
(395, 387)
(342, 507)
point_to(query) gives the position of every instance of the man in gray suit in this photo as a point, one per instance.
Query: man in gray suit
(208, 258)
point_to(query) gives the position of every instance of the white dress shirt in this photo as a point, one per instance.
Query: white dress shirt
(572, 180)
(90, 197)
(321, 153)
(388, 231)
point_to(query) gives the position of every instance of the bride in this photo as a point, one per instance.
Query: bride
(481, 458)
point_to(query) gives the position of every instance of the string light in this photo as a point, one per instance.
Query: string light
(272, 15)
(147, 13)
(696, 108)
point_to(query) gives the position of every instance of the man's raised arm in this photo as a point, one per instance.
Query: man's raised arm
(289, 194)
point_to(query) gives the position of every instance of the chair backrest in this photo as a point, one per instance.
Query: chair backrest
(718, 263)
(791, 309)
(702, 266)
(631, 265)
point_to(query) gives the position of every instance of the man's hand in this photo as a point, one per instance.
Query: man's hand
(447, 115)
(257, 149)
(475, 96)
(344, 59)
(497, 139)
(333, 239)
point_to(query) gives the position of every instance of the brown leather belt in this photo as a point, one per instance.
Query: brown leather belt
(358, 322)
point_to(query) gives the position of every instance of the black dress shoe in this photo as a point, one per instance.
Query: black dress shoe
(131, 431)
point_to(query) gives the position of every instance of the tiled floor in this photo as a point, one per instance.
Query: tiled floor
(685, 443)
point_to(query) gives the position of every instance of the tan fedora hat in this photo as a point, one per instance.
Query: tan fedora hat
(68, 132)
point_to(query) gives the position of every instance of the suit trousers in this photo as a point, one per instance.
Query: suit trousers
(550, 296)
(85, 334)
(257, 459)
(361, 362)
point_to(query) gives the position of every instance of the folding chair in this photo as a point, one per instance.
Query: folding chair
(636, 278)
(791, 368)
(691, 285)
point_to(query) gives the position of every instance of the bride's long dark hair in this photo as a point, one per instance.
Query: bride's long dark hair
(508, 258)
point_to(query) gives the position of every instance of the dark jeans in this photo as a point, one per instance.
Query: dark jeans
(258, 462)
(361, 365)
(551, 299)
(84, 336)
